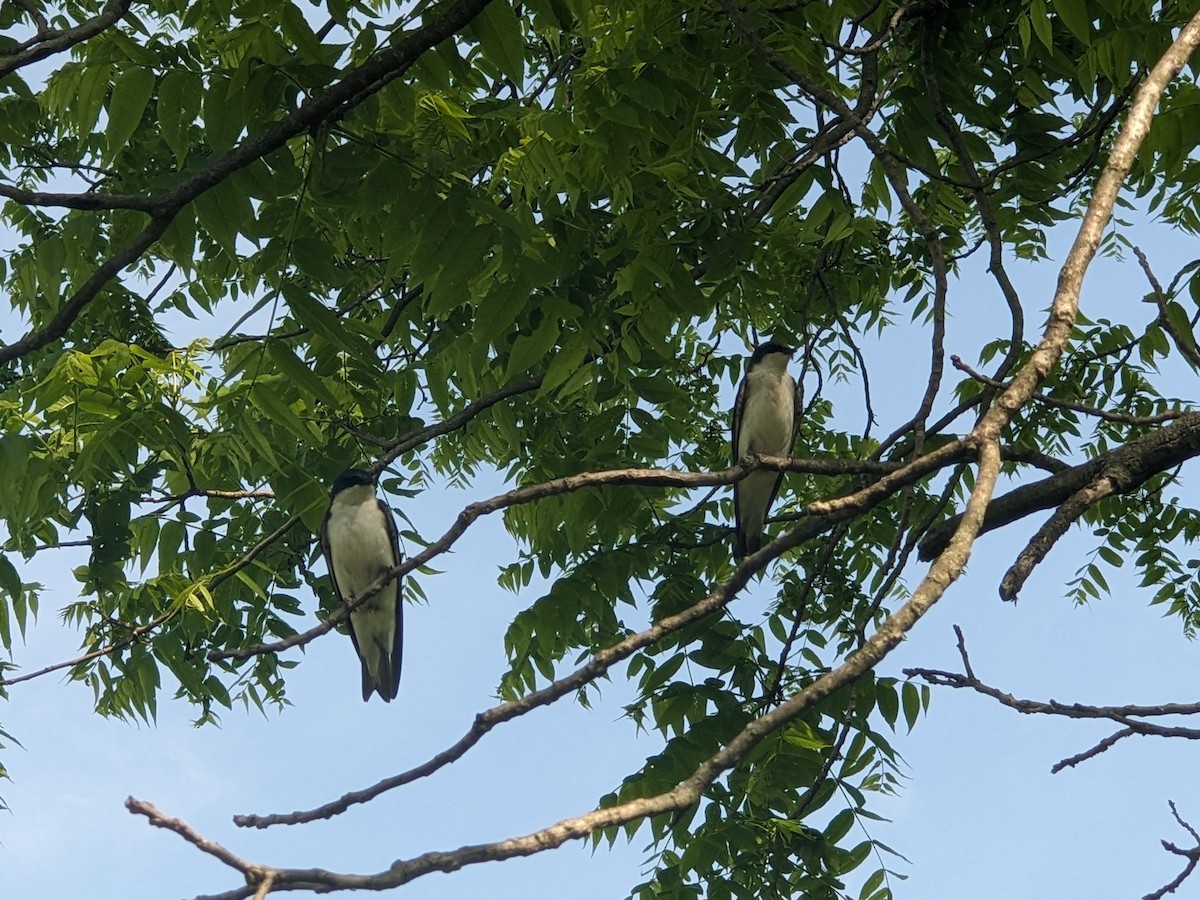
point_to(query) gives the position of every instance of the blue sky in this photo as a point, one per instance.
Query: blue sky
(981, 816)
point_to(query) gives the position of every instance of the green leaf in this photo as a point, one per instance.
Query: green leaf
(1039, 17)
(300, 372)
(130, 95)
(321, 320)
(531, 350)
(179, 96)
(1075, 16)
(911, 699)
(278, 410)
(888, 702)
(499, 33)
(839, 826)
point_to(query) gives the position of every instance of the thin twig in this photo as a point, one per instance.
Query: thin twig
(1038, 397)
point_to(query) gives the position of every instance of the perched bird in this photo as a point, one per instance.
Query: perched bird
(765, 419)
(360, 543)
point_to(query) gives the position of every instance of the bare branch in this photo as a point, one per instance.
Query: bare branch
(1129, 717)
(1192, 855)
(254, 874)
(1072, 761)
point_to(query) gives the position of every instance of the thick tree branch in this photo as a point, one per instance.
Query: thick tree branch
(48, 43)
(1065, 305)
(825, 515)
(1055, 527)
(90, 289)
(1128, 466)
(89, 200)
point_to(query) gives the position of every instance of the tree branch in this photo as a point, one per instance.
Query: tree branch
(48, 43)
(1129, 716)
(1128, 466)
(1192, 856)
(689, 791)
(828, 511)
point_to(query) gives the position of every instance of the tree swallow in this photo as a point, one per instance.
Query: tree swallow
(360, 543)
(765, 420)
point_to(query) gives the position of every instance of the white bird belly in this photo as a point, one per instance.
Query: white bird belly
(769, 415)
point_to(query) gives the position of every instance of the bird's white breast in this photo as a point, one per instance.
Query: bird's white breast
(769, 413)
(359, 543)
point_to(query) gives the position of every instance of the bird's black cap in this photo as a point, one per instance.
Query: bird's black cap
(350, 478)
(767, 348)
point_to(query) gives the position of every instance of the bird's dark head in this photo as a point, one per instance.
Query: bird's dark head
(348, 479)
(770, 348)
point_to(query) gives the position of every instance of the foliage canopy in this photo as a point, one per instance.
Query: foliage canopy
(469, 237)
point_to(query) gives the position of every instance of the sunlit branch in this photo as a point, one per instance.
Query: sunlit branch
(689, 791)
(644, 477)
(1065, 305)
(805, 530)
